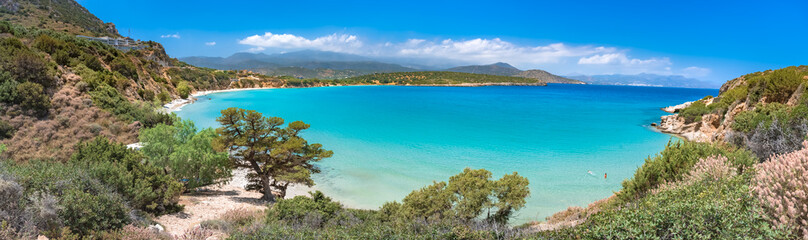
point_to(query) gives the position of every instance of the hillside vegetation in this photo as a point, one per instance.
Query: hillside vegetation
(60, 15)
(436, 78)
(766, 112)
(504, 69)
(750, 182)
(57, 90)
(306, 64)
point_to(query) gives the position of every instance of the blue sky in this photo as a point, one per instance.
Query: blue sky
(709, 40)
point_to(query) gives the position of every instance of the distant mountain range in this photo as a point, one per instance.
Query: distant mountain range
(504, 69)
(645, 79)
(331, 65)
(303, 64)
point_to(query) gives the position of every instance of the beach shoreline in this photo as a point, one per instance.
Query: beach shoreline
(177, 104)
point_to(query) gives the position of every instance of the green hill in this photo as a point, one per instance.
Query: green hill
(504, 69)
(60, 15)
(438, 78)
(500, 68)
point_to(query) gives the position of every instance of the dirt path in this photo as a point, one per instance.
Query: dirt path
(213, 202)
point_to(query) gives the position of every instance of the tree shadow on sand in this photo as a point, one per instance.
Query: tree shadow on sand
(249, 200)
(210, 193)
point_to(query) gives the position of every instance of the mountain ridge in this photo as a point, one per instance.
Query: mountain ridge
(644, 79)
(504, 69)
(331, 65)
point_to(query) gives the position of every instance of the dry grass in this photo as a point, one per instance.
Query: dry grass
(713, 168)
(73, 119)
(572, 216)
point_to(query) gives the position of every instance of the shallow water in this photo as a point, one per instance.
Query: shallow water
(390, 140)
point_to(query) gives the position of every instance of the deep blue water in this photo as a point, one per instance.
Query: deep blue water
(390, 140)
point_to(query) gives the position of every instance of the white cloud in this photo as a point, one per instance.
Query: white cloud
(176, 35)
(622, 59)
(210, 43)
(602, 59)
(696, 72)
(333, 42)
(560, 58)
(494, 50)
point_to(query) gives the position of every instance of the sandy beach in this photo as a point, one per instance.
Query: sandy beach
(177, 104)
(212, 202)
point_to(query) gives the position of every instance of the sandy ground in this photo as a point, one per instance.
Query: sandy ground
(211, 202)
(177, 104)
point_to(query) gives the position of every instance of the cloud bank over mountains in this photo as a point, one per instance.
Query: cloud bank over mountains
(560, 57)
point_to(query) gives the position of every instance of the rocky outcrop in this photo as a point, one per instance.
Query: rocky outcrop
(111, 29)
(712, 127)
(715, 126)
(676, 108)
(706, 130)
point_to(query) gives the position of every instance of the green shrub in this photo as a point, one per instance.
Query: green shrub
(300, 208)
(465, 197)
(47, 44)
(764, 114)
(6, 130)
(676, 159)
(27, 66)
(124, 66)
(163, 96)
(705, 210)
(694, 112)
(110, 99)
(147, 95)
(147, 187)
(92, 62)
(5, 27)
(83, 203)
(183, 89)
(32, 97)
(89, 206)
(187, 154)
(8, 88)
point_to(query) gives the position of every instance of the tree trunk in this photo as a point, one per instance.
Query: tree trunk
(268, 196)
(282, 190)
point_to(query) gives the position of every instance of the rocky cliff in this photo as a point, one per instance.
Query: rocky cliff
(768, 106)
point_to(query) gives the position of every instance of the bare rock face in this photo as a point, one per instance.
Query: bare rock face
(671, 124)
(795, 98)
(710, 128)
(111, 29)
(676, 108)
(701, 131)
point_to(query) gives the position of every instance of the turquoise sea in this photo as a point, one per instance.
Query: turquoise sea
(390, 140)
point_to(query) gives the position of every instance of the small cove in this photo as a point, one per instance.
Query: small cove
(390, 140)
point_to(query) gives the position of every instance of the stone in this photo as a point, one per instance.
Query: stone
(156, 228)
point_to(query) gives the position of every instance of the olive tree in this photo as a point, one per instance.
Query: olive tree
(278, 156)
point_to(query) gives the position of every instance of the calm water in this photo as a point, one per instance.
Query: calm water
(390, 140)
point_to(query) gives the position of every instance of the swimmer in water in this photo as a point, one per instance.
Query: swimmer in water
(604, 175)
(590, 172)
